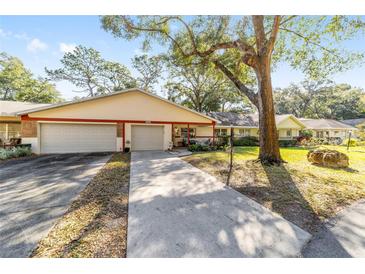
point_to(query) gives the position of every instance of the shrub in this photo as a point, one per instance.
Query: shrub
(200, 147)
(246, 141)
(314, 142)
(361, 143)
(353, 142)
(287, 143)
(14, 152)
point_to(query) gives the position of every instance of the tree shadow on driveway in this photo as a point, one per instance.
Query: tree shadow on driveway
(285, 198)
(176, 210)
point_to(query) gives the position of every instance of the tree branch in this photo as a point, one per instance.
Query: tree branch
(258, 24)
(273, 35)
(238, 83)
(308, 41)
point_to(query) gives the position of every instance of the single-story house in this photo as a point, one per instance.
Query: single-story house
(131, 118)
(288, 125)
(328, 128)
(9, 122)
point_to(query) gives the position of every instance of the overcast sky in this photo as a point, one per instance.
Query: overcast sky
(41, 41)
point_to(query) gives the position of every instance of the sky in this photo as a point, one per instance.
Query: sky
(41, 41)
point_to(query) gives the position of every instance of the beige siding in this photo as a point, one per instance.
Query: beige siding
(132, 105)
(289, 123)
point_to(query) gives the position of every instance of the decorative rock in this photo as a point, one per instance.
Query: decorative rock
(328, 158)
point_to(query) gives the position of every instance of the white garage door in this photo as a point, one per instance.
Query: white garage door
(147, 137)
(68, 138)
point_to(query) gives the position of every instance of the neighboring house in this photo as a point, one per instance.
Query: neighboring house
(9, 121)
(132, 118)
(354, 122)
(328, 128)
(288, 125)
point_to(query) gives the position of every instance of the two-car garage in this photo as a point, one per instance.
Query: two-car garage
(127, 120)
(67, 138)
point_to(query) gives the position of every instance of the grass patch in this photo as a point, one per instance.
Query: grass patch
(301, 192)
(95, 225)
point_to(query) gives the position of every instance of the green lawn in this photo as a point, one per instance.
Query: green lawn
(301, 192)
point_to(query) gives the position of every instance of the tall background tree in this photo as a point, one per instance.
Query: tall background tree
(150, 70)
(319, 99)
(246, 47)
(202, 89)
(86, 69)
(18, 83)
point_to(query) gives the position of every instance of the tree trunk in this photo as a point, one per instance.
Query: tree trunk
(269, 146)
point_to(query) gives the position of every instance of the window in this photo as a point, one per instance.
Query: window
(184, 132)
(221, 132)
(319, 134)
(288, 133)
(9, 130)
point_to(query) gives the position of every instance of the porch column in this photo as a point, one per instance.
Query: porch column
(213, 132)
(6, 131)
(123, 135)
(188, 134)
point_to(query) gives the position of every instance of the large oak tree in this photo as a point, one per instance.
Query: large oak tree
(244, 46)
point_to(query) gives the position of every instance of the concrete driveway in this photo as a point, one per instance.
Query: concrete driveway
(342, 236)
(35, 192)
(177, 210)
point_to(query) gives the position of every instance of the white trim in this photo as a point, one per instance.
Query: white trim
(67, 122)
(219, 126)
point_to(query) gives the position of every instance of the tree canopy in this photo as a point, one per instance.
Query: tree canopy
(86, 69)
(246, 49)
(202, 89)
(320, 99)
(150, 69)
(18, 84)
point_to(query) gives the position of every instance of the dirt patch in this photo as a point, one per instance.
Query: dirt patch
(95, 225)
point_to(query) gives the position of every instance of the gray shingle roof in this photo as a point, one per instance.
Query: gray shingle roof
(324, 124)
(354, 122)
(236, 119)
(240, 119)
(9, 108)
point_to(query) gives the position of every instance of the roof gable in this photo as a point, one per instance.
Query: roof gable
(288, 121)
(131, 105)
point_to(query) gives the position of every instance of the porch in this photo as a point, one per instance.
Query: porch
(186, 134)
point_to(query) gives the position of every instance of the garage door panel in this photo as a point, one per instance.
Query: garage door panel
(147, 137)
(68, 138)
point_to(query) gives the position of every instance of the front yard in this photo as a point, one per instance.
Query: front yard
(301, 192)
(95, 225)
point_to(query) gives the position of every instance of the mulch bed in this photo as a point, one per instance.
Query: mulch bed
(95, 225)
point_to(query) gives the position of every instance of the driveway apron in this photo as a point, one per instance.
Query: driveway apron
(177, 210)
(35, 192)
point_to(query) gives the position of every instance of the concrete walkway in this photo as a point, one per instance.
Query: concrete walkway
(35, 192)
(342, 236)
(177, 210)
